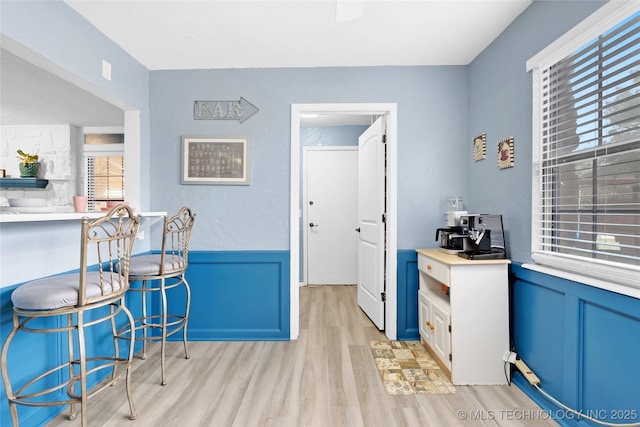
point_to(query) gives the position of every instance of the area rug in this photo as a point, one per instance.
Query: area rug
(406, 367)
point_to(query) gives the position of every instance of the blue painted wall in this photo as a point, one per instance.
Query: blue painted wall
(236, 296)
(432, 110)
(408, 285)
(500, 105)
(579, 340)
(58, 34)
(582, 342)
(239, 295)
(329, 136)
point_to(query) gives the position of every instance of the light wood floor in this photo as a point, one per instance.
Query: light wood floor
(325, 378)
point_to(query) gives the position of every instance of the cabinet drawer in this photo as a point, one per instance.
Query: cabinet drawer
(436, 269)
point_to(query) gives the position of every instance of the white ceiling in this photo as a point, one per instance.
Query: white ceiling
(205, 34)
(209, 34)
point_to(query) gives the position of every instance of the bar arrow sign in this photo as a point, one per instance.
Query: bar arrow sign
(224, 110)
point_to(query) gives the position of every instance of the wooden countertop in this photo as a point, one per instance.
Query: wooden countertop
(456, 260)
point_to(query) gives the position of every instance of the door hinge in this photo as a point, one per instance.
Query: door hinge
(449, 328)
(383, 296)
(450, 358)
(384, 139)
(384, 218)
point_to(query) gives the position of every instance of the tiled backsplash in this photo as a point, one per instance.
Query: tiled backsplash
(59, 148)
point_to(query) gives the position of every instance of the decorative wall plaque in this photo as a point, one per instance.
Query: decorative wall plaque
(221, 161)
(505, 153)
(480, 147)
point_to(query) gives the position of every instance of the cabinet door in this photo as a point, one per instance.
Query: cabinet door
(441, 319)
(424, 317)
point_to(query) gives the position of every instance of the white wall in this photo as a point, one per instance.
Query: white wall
(59, 148)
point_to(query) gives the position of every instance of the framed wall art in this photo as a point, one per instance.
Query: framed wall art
(480, 147)
(216, 160)
(505, 153)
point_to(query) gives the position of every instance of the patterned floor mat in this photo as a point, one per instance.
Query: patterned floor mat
(406, 367)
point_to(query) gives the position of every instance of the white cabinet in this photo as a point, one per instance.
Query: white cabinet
(434, 319)
(463, 314)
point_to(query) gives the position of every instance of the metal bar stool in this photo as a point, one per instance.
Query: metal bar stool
(68, 304)
(159, 273)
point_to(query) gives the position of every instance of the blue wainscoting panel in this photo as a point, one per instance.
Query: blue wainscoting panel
(239, 295)
(235, 296)
(610, 341)
(540, 337)
(27, 354)
(407, 321)
(582, 342)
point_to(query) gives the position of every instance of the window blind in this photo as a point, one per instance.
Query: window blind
(105, 178)
(587, 214)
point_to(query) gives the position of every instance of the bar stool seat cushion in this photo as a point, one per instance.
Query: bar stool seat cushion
(145, 265)
(61, 291)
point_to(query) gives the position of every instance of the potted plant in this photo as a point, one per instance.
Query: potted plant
(29, 165)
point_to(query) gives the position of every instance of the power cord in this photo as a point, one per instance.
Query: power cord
(507, 372)
(535, 381)
(586, 417)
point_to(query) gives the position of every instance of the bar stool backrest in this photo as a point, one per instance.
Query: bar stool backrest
(107, 243)
(175, 241)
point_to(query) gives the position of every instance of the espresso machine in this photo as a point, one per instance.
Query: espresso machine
(484, 237)
(452, 236)
(451, 239)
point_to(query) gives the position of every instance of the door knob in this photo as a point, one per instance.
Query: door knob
(358, 229)
(311, 202)
(311, 224)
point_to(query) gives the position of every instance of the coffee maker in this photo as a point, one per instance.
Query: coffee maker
(451, 237)
(484, 237)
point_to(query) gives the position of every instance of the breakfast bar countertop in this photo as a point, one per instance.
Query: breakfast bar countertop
(8, 216)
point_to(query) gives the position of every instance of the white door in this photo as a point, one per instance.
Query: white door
(331, 205)
(371, 223)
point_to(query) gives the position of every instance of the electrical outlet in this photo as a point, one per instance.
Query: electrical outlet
(528, 373)
(510, 356)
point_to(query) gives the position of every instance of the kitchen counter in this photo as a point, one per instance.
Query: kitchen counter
(35, 245)
(8, 216)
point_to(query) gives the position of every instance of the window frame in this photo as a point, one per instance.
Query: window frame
(609, 276)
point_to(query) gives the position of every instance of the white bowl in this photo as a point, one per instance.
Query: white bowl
(27, 203)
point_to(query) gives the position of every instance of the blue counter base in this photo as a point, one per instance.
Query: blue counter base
(236, 296)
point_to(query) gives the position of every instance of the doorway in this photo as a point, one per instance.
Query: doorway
(341, 110)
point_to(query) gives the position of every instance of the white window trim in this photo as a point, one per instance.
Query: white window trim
(594, 25)
(89, 150)
(627, 281)
(590, 281)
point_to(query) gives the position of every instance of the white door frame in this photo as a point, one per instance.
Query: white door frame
(390, 110)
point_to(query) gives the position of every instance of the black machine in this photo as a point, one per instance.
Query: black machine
(451, 239)
(484, 237)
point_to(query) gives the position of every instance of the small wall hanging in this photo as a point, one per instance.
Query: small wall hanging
(224, 110)
(221, 161)
(505, 153)
(480, 147)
